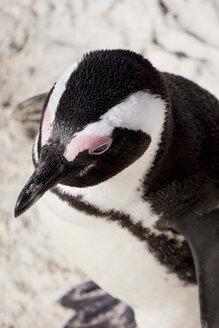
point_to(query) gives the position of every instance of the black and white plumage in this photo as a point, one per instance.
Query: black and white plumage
(132, 154)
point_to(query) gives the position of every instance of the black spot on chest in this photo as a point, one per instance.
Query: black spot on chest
(175, 255)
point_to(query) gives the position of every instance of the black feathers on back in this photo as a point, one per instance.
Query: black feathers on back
(185, 175)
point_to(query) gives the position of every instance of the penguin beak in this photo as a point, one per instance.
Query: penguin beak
(46, 176)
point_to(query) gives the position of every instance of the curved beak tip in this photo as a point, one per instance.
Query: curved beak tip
(21, 205)
(17, 210)
(26, 199)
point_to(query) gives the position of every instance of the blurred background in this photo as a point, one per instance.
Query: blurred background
(39, 39)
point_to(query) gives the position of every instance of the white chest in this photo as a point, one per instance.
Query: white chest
(123, 266)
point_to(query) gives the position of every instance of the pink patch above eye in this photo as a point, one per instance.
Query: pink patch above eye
(46, 127)
(79, 144)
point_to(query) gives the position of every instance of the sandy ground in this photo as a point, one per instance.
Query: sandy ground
(38, 40)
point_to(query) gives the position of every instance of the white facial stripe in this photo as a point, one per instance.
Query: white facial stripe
(46, 127)
(53, 102)
(140, 111)
(35, 148)
(58, 91)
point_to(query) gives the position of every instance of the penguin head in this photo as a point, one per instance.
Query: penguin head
(98, 119)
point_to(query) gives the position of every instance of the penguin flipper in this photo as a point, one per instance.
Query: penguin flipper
(202, 233)
(96, 309)
(25, 118)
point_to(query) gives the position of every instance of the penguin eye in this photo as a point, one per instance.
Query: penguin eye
(100, 149)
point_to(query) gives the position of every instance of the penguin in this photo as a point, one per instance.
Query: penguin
(130, 155)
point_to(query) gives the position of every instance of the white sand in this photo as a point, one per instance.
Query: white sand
(38, 40)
